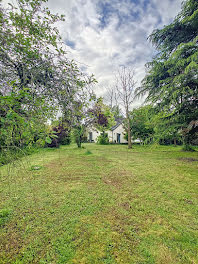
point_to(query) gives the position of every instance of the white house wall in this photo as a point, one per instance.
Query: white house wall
(111, 134)
(119, 130)
(95, 134)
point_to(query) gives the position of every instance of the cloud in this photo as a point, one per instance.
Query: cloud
(101, 35)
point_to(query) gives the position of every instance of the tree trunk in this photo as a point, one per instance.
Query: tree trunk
(78, 137)
(129, 136)
(175, 142)
(128, 129)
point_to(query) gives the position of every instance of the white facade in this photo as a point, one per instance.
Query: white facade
(92, 134)
(119, 130)
(116, 135)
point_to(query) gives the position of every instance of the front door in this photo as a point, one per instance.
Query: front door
(118, 138)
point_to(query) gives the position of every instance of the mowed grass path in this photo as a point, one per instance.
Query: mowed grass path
(105, 205)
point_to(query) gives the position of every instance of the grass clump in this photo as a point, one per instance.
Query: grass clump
(88, 152)
(36, 167)
(4, 215)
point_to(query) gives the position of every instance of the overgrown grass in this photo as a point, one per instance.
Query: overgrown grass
(106, 204)
(12, 153)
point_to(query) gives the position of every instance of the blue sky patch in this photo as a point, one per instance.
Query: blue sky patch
(70, 43)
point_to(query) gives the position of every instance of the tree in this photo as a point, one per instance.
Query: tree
(117, 112)
(60, 133)
(78, 114)
(149, 125)
(35, 71)
(112, 98)
(125, 86)
(166, 129)
(19, 126)
(27, 36)
(100, 116)
(78, 125)
(171, 81)
(141, 124)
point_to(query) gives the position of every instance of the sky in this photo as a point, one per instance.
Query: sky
(102, 35)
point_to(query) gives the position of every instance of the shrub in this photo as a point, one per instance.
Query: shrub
(187, 147)
(103, 139)
(60, 136)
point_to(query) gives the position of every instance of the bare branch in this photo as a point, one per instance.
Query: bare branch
(125, 87)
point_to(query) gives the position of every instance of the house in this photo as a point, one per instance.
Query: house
(115, 134)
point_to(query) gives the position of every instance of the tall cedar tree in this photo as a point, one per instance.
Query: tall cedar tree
(172, 77)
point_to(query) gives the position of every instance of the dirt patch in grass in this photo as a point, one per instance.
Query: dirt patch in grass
(113, 182)
(126, 206)
(117, 178)
(103, 160)
(55, 164)
(125, 230)
(188, 159)
(188, 201)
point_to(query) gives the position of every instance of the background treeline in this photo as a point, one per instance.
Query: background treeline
(171, 81)
(151, 126)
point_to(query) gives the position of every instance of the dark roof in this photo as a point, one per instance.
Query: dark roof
(118, 122)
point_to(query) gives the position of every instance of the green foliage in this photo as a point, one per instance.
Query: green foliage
(166, 129)
(149, 125)
(141, 124)
(4, 215)
(37, 79)
(20, 126)
(66, 140)
(25, 36)
(187, 147)
(59, 135)
(88, 152)
(77, 134)
(101, 116)
(12, 153)
(171, 82)
(103, 139)
(117, 112)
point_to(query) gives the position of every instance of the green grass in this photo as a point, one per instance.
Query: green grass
(101, 204)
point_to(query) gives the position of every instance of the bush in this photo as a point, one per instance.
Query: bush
(103, 139)
(61, 136)
(53, 144)
(187, 147)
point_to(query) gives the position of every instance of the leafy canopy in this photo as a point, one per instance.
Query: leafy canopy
(101, 116)
(37, 78)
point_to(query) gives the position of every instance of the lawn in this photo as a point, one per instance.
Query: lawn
(100, 204)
